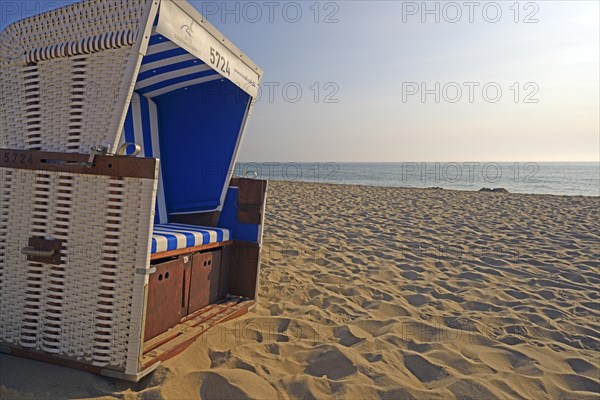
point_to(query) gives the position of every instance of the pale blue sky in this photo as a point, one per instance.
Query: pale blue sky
(377, 49)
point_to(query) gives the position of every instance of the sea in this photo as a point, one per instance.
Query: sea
(559, 178)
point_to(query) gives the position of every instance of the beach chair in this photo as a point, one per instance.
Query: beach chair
(123, 234)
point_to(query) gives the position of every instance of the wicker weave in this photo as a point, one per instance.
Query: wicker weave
(67, 75)
(90, 307)
(67, 78)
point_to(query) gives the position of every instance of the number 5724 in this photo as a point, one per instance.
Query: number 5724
(220, 63)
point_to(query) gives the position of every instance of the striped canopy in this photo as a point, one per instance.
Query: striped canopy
(190, 117)
(167, 67)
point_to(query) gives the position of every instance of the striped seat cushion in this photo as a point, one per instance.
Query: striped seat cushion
(167, 237)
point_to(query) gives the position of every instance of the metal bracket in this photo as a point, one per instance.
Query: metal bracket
(142, 271)
(45, 251)
(96, 151)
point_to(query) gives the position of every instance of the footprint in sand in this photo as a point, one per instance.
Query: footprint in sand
(424, 370)
(331, 363)
(346, 336)
(556, 347)
(581, 366)
(511, 340)
(552, 313)
(468, 389)
(461, 323)
(580, 311)
(579, 383)
(517, 294)
(417, 300)
(233, 384)
(518, 330)
(411, 275)
(426, 316)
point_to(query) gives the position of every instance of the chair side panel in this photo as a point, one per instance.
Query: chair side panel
(67, 104)
(90, 307)
(68, 75)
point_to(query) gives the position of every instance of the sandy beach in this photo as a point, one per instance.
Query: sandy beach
(369, 293)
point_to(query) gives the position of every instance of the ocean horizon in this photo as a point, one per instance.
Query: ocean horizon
(557, 178)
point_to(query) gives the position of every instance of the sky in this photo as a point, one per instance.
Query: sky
(392, 81)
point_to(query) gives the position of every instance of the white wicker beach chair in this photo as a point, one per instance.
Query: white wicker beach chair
(110, 260)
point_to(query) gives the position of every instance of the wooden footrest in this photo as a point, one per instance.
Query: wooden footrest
(178, 338)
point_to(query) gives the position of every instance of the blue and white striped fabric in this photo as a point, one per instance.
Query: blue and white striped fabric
(167, 237)
(167, 67)
(141, 128)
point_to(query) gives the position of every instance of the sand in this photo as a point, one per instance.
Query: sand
(392, 293)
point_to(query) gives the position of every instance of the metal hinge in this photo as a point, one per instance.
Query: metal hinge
(96, 151)
(144, 271)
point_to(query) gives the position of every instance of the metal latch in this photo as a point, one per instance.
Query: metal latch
(45, 251)
(145, 271)
(96, 151)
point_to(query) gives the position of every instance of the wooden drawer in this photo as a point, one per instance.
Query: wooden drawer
(204, 281)
(166, 297)
(180, 287)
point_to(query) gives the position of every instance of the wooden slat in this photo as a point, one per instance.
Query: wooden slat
(250, 200)
(179, 343)
(244, 271)
(190, 321)
(184, 341)
(220, 311)
(172, 343)
(185, 323)
(113, 166)
(199, 312)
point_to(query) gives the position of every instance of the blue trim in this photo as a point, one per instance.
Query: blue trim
(157, 39)
(174, 81)
(168, 68)
(162, 55)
